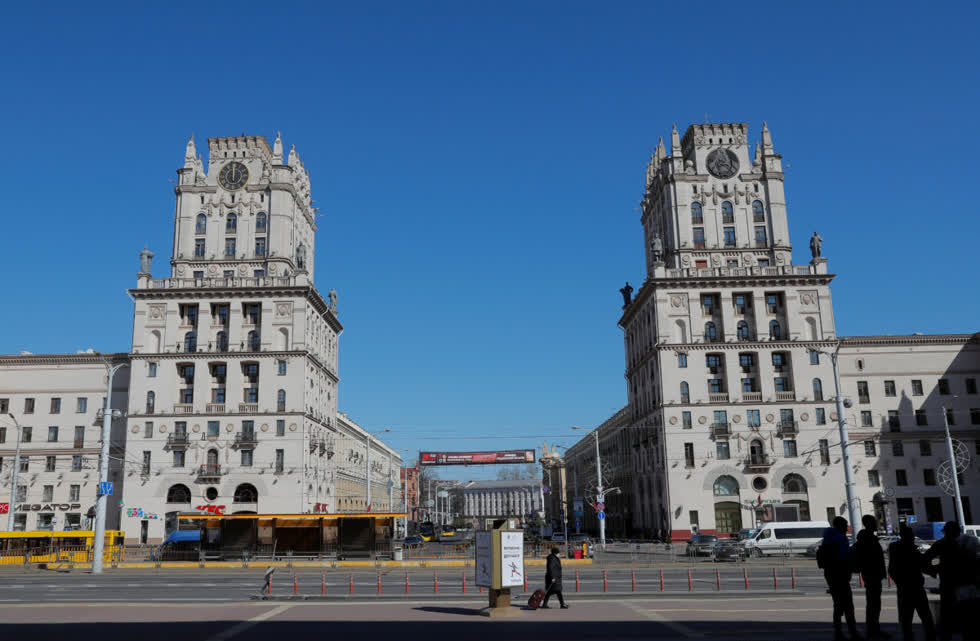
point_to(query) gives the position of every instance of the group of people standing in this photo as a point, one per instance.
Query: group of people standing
(957, 571)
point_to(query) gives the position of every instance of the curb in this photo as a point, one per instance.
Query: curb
(326, 565)
(619, 596)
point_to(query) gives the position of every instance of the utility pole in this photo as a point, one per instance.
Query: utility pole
(103, 499)
(13, 478)
(367, 472)
(600, 492)
(955, 472)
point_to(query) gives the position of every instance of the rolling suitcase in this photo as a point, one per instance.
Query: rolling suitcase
(535, 599)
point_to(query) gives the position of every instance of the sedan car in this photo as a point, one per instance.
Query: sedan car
(702, 545)
(413, 542)
(729, 550)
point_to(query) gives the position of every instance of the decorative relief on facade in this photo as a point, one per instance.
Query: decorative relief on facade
(242, 269)
(804, 417)
(180, 269)
(284, 310)
(686, 260)
(736, 419)
(163, 429)
(229, 427)
(156, 313)
(673, 420)
(213, 269)
(770, 418)
(265, 427)
(678, 300)
(196, 429)
(833, 416)
(808, 298)
(292, 427)
(716, 260)
(702, 420)
(135, 429)
(747, 260)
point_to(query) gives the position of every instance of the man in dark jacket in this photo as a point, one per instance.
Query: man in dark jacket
(905, 565)
(838, 565)
(947, 549)
(870, 560)
(552, 578)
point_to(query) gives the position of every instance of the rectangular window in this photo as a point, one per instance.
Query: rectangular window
(76, 463)
(180, 428)
(870, 449)
(28, 406)
(894, 423)
(722, 450)
(74, 493)
(824, 447)
(53, 434)
(789, 448)
(971, 386)
(178, 458)
(252, 395)
(831, 513)
(47, 493)
(739, 303)
(975, 415)
(55, 406)
(260, 246)
(198, 248)
(218, 394)
(863, 396)
(280, 461)
(904, 507)
(729, 236)
(79, 436)
(921, 418)
(898, 448)
(746, 362)
(753, 418)
(4, 405)
(247, 458)
(916, 388)
(198, 275)
(698, 237)
(865, 418)
(950, 417)
(259, 273)
(686, 420)
(49, 463)
(900, 478)
(715, 386)
(689, 454)
(214, 428)
(782, 384)
(786, 417)
(925, 448)
(681, 359)
(21, 493)
(693, 517)
(889, 388)
(721, 417)
(3, 434)
(26, 434)
(944, 387)
(148, 429)
(280, 427)
(45, 521)
(778, 361)
(934, 508)
(873, 479)
(748, 385)
(708, 304)
(760, 236)
(814, 357)
(146, 462)
(281, 366)
(929, 476)
(821, 416)
(229, 247)
(151, 370)
(713, 362)
(81, 405)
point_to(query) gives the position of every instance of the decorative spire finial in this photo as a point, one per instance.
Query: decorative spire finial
(675, 141)
(277, 149)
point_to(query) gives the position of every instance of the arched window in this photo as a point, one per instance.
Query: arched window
(758, 212)
(178, 494)
(260, 223)
(246, 493)
(201, 225)
(794, 484)
(726, 486)
(697, 214)
(757, 453)
(301, 257)
(817, 390)
(775, 332)
(283, 339)
(281, 401)
(743, 331)
(151, 400)
(727, 213)
(212, 458)
(685, 392)
(253, 341)
(231, 223)
(222, 341)
(710, 332)
(155, 341)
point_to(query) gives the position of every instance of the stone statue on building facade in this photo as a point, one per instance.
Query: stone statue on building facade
(333, 300)
(816, 242)
(657, 249)
(627, 293)
(146, 260)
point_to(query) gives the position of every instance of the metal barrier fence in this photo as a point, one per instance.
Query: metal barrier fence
(59, 554)
(657, 553)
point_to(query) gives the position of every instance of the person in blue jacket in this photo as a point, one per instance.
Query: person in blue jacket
(836, 559)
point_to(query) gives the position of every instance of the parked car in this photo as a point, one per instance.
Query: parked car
(729, 550)
(746, 533)
(411, 542)
(558, 537)
(787, 537)
(702, 545)
(885, 541)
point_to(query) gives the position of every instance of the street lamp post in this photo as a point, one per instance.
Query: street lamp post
(102, 499)
(954, 472)
(13, 478)
(852, 508)
(600, 490)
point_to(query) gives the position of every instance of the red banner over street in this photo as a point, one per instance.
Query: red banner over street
(476, 458)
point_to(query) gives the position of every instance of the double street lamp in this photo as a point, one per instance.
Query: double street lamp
(13, 478)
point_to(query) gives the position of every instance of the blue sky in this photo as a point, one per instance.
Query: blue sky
(479, 165)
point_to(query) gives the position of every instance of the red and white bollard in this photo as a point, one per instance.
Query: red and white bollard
(745, 573)
(435, 582)
(576, 580)
(605, 585)
(775, 581)
(793, 574)
(464, 582)
(379, 583)
(661, 579)
(406, 583)
(718, 578)
(351, 583)
(323, 584)
(690, 581)
(295, 584)
(633, 578)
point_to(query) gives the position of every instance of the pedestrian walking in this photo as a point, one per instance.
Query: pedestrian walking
(870, 561)
(835, 557)
(905, 564)
(948, 551)
(552, 578)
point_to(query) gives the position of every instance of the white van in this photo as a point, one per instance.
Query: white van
(785, 537)
(972, 530)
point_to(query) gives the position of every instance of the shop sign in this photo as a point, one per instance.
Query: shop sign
(211, 509)
(47, 507)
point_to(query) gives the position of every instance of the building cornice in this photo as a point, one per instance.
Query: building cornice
(11, 360)
(910, 339)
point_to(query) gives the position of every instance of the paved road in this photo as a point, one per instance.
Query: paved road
(218, 586)
(715, 618)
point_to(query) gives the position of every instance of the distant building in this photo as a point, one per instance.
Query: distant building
(410, 492)
(486, 500)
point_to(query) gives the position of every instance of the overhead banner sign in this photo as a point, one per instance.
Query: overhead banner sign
(476, 458)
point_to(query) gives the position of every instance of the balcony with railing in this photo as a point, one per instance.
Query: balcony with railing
(758, 462)
(248, 408)
(177, 441)
(787, 428)
(718, 397)
(226, 281)
(183, 408)
(721, 429)
(786, 396)
(771, 270)
(215, 408)
(245, 439)
(752, 397)
(210, 471)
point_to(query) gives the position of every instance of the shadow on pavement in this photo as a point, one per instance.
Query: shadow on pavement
(441, 610)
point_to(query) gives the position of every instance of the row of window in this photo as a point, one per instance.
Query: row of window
(46, 521)
(50, 463)
(746, 361)
(47, 493)
(890, 389)
(902, 479)
(742, 331)
(728, 213)
(728, 486)
(231, 223)
(27, 434)
(214, 429)
(742, 302)
(729, 238)
(753, 418)
(200, 248)
(81, 405)
(921, 418)
(213, 467)
(244, 493)
(185, 396)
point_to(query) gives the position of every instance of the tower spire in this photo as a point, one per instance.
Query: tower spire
(766, 138)
(190, 153)
(277, 149)
(675, 143)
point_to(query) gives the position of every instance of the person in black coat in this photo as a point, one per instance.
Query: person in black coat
(905, 564)
(870, 560)
(552, 578)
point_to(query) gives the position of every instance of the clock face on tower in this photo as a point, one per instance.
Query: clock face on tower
(233, 176)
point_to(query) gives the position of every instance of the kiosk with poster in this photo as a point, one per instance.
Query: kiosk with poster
(500, 565)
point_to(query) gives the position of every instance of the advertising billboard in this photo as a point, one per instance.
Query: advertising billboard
(476, 458)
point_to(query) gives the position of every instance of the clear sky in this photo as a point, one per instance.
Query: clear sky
(479, 165)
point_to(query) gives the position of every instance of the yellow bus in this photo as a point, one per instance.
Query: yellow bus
(44, 546)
